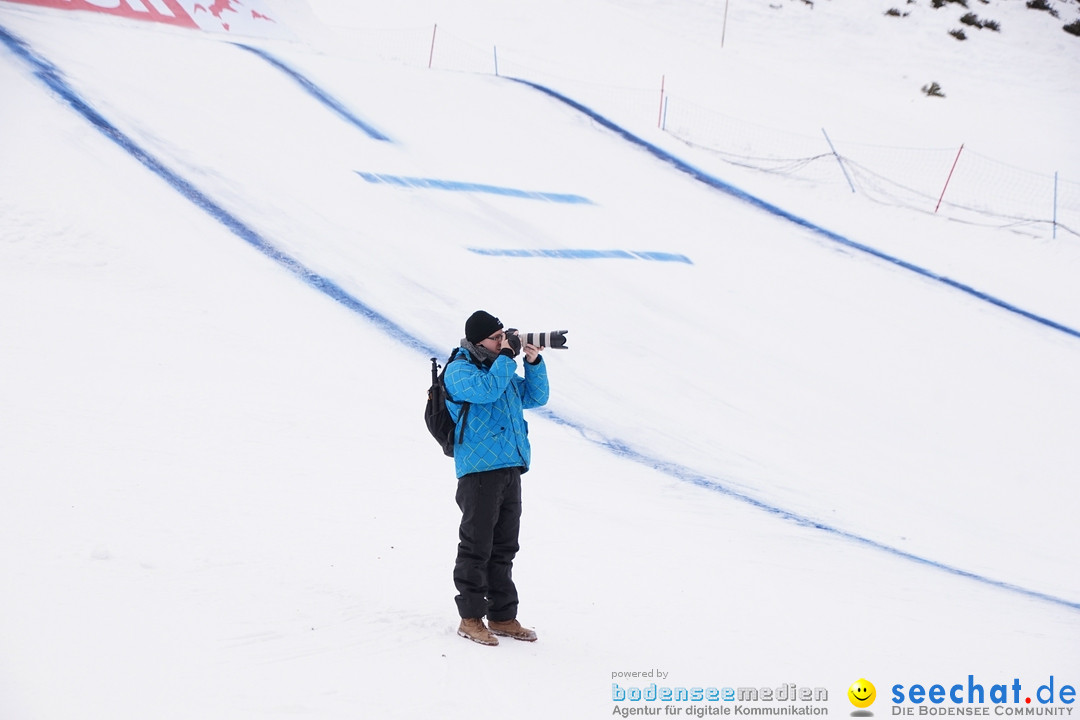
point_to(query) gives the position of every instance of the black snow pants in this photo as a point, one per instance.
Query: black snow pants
(490, 505)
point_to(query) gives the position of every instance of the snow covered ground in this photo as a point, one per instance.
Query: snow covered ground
(769, 458)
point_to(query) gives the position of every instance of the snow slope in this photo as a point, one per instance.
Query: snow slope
(782, 460)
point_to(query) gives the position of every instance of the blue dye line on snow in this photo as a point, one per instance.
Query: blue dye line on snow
(51, 77)
(685, 474)
(584, 254)
(318, 93)
(718, 184)
(457, 186)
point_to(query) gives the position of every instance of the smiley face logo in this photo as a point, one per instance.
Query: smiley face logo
(862, 693)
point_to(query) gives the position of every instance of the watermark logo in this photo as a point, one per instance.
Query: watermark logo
(976, 698)
(862, 695)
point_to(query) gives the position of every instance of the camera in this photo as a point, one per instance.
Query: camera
(554, 339)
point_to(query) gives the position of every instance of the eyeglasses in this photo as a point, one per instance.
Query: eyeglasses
(497, 337)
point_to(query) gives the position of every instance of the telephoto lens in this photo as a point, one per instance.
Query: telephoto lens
(555, 339)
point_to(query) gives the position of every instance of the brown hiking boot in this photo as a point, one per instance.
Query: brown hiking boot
(513, 629)
(475, 630)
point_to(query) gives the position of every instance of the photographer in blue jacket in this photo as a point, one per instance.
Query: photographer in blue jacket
(493, 453)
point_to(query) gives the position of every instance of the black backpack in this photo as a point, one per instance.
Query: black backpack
(437, 416)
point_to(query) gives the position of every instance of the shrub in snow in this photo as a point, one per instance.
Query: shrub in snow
(933, 90)
(1042, 5)
(973, 20)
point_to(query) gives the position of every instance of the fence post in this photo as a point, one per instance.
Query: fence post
(1055, 204)
(664, 126)
(660, 113)
(723, 30)
(432, 53)
(950, 176)
(838, 160)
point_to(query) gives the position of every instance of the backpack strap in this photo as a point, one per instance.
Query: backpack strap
(461, 422)
(465, 405)
(453, 354)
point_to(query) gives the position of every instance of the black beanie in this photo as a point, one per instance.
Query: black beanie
(481, 325)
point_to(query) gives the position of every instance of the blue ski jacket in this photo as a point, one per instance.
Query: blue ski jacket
(496, 433)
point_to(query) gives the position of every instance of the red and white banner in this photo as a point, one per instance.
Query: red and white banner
(242, 17)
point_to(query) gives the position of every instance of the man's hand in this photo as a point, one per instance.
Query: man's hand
(531, 352)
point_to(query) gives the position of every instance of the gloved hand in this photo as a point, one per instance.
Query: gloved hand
(513, 340)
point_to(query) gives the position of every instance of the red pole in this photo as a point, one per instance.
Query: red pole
(950, 176)
(660, 115)
(432, 53)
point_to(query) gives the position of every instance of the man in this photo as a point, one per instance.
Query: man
(493, 453)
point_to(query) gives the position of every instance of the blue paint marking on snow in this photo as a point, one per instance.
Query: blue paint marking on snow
(457, 186)
(318, 93)
(584, 254)
(718, 184)
(51, 77)
(681, 472)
